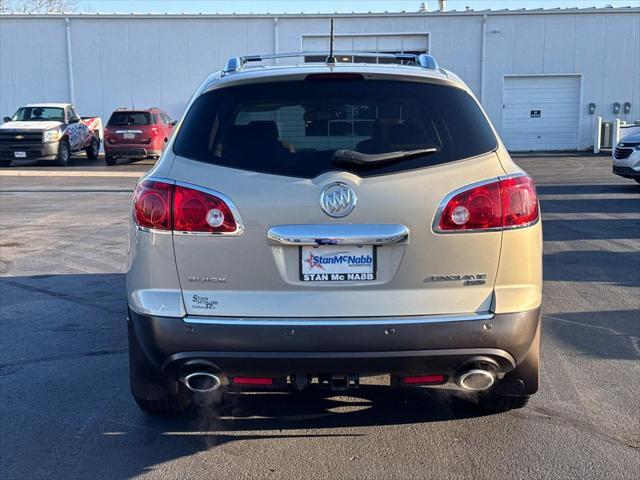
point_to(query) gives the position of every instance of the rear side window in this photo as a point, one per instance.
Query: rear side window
(129, 119)
(294, 128)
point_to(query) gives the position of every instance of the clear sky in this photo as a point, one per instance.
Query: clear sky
(314, 6)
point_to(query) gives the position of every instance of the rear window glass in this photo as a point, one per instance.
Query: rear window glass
(294, 128)
(130, 119)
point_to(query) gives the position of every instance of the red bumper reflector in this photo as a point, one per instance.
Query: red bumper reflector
(423, 380)
(252, 381)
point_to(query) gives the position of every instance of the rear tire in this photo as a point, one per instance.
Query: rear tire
(93, 150)
(64, 154)
(5, 163)
(111, 161)
(494, 402)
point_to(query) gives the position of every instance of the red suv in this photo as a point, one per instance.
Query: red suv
(136, 134)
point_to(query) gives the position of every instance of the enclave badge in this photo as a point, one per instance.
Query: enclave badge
(468, 279)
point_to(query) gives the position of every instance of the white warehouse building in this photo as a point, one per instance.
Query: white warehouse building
(543, 76)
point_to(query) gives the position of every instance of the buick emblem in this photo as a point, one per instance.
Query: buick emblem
(337, 199)
(19, 137)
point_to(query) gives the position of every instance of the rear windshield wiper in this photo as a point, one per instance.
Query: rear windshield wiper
(351, 156)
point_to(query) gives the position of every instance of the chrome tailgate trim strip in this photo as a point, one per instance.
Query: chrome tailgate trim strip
(340, 234)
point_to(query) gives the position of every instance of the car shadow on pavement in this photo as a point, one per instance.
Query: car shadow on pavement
(137, 442)
(320, 408)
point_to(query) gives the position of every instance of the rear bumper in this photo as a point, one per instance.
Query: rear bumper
(43, 151)
(131, 151)
(364, 346)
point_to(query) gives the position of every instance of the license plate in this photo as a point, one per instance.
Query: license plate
(129, 136)
(338, 263)
(20, 154)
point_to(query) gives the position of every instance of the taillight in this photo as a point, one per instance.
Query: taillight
(505, 203)
(164, 206)
(519, 201)
(196, 211)
(152, 205)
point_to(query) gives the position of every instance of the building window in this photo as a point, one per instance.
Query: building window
(366, 59)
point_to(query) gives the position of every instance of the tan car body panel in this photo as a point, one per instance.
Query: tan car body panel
(260, 280)
(152, 279)
(260, 277)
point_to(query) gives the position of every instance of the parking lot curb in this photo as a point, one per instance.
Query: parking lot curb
(67, 173)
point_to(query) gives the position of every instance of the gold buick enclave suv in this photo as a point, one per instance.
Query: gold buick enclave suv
(316, 223)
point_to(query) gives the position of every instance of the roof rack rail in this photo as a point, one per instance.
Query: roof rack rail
(235, 64)
(427, 61)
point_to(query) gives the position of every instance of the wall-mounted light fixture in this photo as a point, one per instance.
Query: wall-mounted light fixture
(592, 108)
(627, 107)
(616, 108)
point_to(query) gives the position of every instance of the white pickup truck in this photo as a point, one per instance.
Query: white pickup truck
(48, 131)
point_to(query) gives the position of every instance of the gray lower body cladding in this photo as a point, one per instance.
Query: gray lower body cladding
(626, 172)
(379, 347)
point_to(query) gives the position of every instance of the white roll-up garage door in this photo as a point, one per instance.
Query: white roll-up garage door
(541, 112)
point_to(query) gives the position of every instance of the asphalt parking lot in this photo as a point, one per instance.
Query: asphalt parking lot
(66, 410)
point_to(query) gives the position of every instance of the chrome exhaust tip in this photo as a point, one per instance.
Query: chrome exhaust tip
(202, 382)
(476, 380)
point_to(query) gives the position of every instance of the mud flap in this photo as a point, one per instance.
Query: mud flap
(147, 382)
(524, 379)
